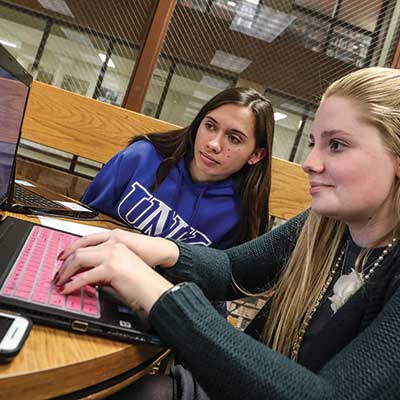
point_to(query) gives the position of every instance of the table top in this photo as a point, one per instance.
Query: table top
(54, 362)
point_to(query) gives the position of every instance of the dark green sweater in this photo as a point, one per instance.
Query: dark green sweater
(232, 365)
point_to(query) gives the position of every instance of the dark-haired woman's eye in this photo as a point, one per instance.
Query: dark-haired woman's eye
(234, 139)
(209, 125)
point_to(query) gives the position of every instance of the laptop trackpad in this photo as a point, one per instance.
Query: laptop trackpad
(110, 294)
(118, 312)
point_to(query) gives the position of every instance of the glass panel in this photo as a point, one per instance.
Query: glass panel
(20, 34)
(325, 7)
(363, 14)
(118, 75)
(349, 46)
(260, 21)
(288, 117)
(73, 57)
(72, 60)
(224, 9)
(190, 88)
(334, 36)
(157, 86)
(309, 30)
(285, 132)
(303, 149)
(200, 5)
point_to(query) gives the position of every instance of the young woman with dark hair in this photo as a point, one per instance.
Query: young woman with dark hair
(206, 184)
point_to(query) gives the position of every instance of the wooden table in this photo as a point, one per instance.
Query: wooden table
(54, 362)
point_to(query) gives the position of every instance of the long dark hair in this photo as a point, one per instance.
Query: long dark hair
(255, 180)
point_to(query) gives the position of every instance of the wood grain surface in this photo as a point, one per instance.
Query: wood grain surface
(80, 125)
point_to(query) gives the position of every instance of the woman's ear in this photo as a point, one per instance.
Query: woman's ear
(257, 155)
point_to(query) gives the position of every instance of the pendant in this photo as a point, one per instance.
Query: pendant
(344, 288)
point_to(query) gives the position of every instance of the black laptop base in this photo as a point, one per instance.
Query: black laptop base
(78, 326)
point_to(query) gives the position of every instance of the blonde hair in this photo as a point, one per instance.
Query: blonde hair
(377, 92)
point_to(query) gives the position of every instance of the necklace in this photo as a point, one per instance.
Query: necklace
(300, 336)
(378, 261)
(360, 278)
(348, 284)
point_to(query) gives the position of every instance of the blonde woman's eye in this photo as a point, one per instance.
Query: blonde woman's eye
(334, 145)
(311, 144)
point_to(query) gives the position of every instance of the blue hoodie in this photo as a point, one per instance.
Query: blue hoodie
(197, 213)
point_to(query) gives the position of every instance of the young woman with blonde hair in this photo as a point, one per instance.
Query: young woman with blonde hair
(331, 329)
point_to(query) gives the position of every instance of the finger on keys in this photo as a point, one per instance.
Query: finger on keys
(82, 259)
(85, 241)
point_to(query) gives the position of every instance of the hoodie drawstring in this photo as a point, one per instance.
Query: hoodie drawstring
(194, 212)
(174, 203)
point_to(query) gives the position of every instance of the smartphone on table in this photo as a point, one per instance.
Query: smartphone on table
(14, 329)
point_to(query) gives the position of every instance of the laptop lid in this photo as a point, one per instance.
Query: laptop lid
(14, 90)
(27, 264)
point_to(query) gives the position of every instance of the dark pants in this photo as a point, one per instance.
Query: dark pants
(179, 385)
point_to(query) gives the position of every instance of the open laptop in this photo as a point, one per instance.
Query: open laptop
(28, 264)
(28, 251)
(14, 90)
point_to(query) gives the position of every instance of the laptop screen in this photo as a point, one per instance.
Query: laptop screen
(13, 96)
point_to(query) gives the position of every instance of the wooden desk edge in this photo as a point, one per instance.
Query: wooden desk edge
(113, 388)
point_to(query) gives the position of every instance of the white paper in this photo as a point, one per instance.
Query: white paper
(71, 205)
(24, 183)
(71, 227)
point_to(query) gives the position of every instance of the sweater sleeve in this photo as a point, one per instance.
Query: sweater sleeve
(103, 191)
(109, 184)
(230, 364)
(253, 265)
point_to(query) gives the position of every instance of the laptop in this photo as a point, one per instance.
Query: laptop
(28, 264)
(29, 251)
(14, 91)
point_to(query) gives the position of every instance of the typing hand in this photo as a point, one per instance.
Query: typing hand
(153, 251)
(113, 264)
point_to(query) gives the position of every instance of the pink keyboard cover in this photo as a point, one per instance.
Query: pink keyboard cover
(31, 277)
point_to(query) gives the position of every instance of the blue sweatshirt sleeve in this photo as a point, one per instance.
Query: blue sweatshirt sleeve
(103, 190)
(110, 183)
